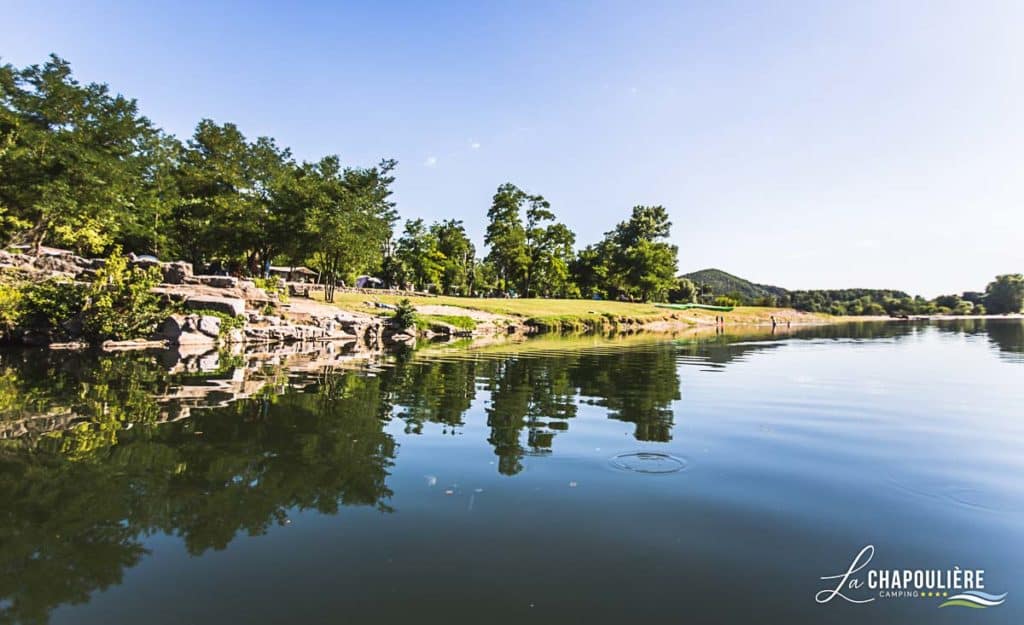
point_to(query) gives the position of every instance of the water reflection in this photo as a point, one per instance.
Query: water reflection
(1006, 335)
(98, 452)
(72, 519)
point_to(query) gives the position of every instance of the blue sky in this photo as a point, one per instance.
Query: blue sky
(805, 144)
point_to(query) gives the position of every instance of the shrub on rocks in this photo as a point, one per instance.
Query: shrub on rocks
(405, 315)
(50, 307)
(116, 305)
(10, 304)
(119, 303)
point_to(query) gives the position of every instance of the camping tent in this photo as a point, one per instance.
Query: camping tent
(294, 274)
(368, 282)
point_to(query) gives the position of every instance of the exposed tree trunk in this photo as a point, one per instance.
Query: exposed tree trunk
(33, 237)
(330, 279)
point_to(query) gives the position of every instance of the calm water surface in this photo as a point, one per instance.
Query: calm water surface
(556, 481)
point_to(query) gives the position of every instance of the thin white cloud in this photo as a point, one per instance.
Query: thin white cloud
(475, 145)
(430, 162)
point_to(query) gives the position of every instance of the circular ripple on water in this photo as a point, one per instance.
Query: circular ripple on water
(648, 462)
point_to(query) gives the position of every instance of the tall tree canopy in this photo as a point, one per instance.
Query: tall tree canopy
(458, 257)
(1005, 294)
(506, 235)
(532, 258)
(350, 217)
(420, 257)
(549, 252)
(633, 261)
(72, 158)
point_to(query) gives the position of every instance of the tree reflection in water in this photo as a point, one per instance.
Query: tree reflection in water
(97, 452)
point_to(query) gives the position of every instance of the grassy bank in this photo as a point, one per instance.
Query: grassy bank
(459, 322)
(545, 314)
(581, 314)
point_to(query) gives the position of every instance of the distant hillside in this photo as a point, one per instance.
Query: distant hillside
(724, 283)
(834, 301)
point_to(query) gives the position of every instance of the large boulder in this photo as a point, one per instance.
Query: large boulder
(184, 330)
(67, 263)
(209, 325)
(177, 272)
(254, 296)
(227, 305)
(219, 282)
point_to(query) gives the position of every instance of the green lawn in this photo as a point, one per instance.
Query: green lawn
(532, 307)
(556, 313)
(460, 322)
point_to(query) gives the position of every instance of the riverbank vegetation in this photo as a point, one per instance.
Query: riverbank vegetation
(572, 314)
(82, 168)
(117, 304)
(1003, 295)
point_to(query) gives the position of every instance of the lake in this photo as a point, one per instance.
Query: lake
(560, 480)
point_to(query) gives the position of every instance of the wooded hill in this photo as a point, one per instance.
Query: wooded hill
(1003, 295)
(724, 283)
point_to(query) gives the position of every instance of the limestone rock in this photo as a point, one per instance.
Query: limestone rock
(227, 305)
(219, 282)
(209, 325)
(184, 330)
(172, 327)
(177, 272)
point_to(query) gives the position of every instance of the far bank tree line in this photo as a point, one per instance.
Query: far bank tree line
(82, 168)
(1003, 295)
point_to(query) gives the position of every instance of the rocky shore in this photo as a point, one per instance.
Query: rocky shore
(208, 312)
(203, 303)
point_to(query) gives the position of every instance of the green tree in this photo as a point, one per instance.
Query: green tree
(350, 217)
(685, 291)
(418, 252)
(212, 181)
(148, 226)
(266, 229)
(10, 310)
(405, 315)
(506, 235)
(458, 252)
(485, 277)
(549, 251)
(1005, 294)
(590, 268)
(238, 200)
(637, 263)
(72, 160)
